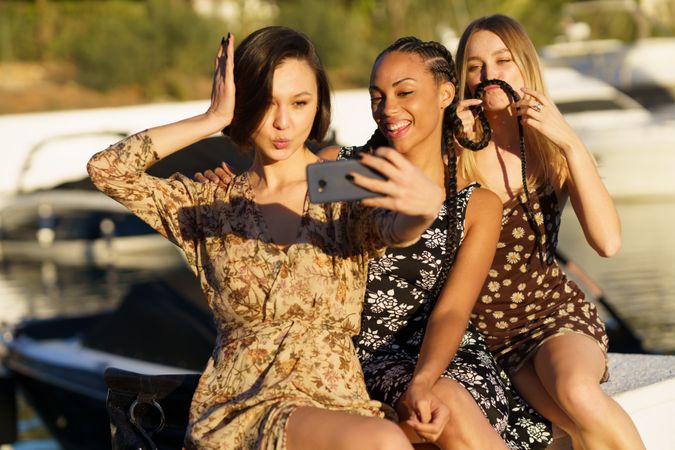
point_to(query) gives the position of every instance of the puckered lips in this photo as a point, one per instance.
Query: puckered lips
(280, 144)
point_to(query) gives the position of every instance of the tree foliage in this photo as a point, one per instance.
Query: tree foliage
(162, 45)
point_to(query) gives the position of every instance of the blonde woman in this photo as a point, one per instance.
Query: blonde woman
(537, 322)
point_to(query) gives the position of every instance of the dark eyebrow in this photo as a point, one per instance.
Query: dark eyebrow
(394, 84)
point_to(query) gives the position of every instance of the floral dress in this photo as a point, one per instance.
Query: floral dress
(285, 316)
(396, 309)
(527, 299)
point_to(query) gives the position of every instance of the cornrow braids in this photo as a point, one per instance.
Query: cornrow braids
(442, 66)
(523, 160)
(440, 63)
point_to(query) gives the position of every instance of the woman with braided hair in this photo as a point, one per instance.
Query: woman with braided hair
(537, 322)
(414, 345)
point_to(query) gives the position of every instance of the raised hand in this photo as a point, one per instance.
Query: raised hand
(406, 190)
(541, 114)
(223, 89)
(465, 115)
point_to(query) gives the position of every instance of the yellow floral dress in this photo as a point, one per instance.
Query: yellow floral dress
(285, 317)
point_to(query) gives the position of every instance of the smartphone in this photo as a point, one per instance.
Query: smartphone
(327, 181)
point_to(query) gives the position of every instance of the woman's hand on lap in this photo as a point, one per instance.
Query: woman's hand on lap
(428, 415)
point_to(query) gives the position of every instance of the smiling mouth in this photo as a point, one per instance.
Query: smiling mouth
(395, 130)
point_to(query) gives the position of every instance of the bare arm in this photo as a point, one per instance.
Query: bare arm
(450, 315)
(329, 153)
(591, 201)
(407, 190)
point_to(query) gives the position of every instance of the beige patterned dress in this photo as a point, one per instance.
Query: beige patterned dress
(285, 317)
(527, 299)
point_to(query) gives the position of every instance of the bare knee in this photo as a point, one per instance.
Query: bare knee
(457, 399)
(385, 435)
(467, 427)
(454, 396)
(581, 399)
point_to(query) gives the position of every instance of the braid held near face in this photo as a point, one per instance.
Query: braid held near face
(529, 313)
(424, 133)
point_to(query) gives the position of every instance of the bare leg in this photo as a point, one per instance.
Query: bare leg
(467, 429)
(320, 429)
(570, 367)
(529, 386)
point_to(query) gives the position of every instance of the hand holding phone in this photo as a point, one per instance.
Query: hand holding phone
(329, 181)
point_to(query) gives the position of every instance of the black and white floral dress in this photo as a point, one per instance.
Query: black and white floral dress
(396, 308)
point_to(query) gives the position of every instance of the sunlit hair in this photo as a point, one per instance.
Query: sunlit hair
(255, 61)
(438, 61)
(544, 157)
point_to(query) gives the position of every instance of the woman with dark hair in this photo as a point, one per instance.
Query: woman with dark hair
(284, 277)
(414, 346)
(537, 322)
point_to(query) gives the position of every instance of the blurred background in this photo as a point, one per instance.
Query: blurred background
(76, 76)
(72, 54)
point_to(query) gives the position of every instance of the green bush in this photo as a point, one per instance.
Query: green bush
(163, 46)
(115, 43)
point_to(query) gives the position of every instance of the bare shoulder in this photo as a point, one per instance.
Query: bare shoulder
(484, 205)
(329, 153)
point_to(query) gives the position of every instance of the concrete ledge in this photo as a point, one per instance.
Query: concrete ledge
(644, 385)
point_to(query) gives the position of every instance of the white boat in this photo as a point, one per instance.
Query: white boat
(633, 147)
(80, 227)
(55, 213)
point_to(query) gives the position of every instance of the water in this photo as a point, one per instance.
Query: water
(45, 289)
(639, 282)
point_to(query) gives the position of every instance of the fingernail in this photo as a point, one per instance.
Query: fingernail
(222, 41)
(228, 35)
(350, 177)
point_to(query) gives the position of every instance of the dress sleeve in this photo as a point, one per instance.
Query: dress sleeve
(372, 229)
(169, 205)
